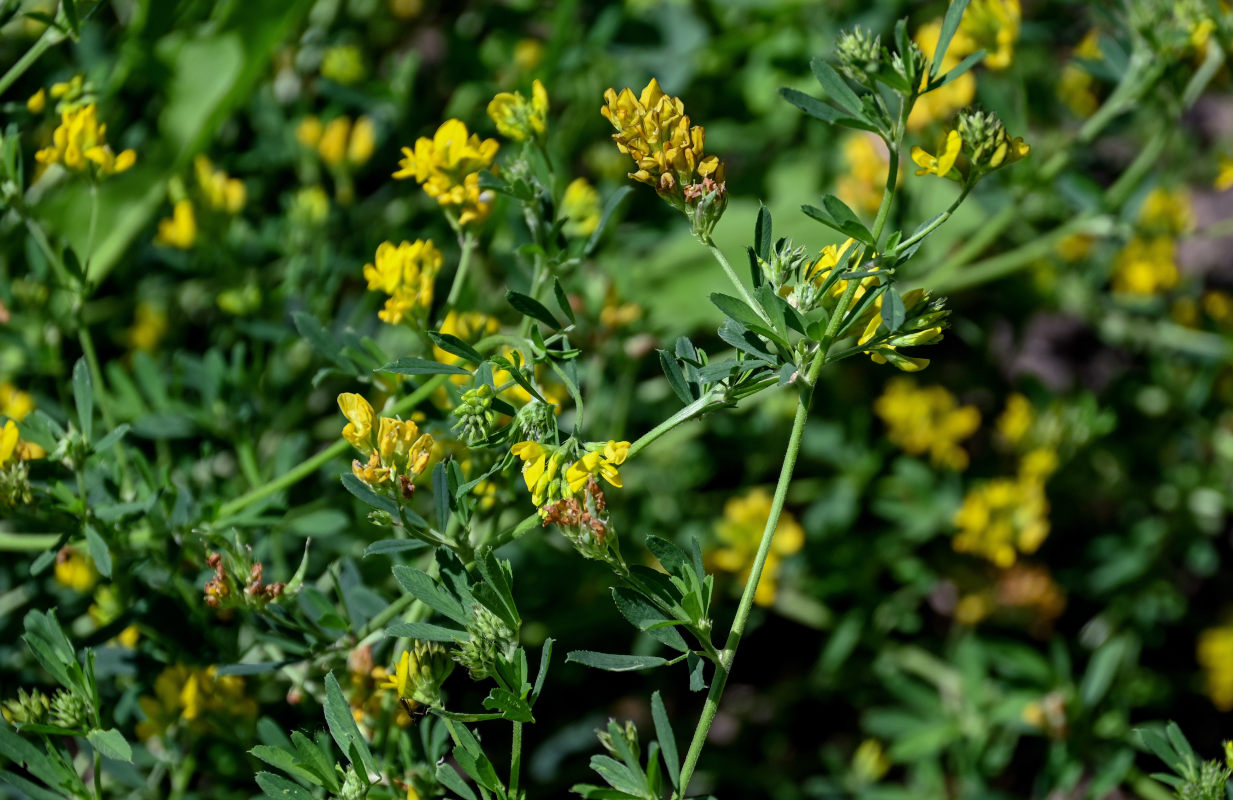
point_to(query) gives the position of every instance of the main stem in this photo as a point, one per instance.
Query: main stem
(515, 760)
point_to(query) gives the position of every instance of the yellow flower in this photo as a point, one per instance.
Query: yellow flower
(580, 207)
(37, 102)
(406, 273)
(400, 443)
(1016, 420)
(75, 570)
(1224, 180)
(197, 696)
(80, 141)
(1215, 654)
(601, 463)
(420, 673)
(180, 229)
(8, 441)
(359, 428)
(940, 103)
(339, 142)
(402, 675)
(991, 25)
(1167, 212)
(1146, 266)
(654, 130)
(309, 131)
(221, 192)
(518, 118)
(539, 468)
(14, 403)
(333, 144)
(447, 166)
(1217, 304)
(149, 327)
(528, 53)
(362, 141)
(943, 162)
(868, 166)
(470, 326)
(869, 762)
(927, 420)
(310, 206)
(740, 533)
(1001, 518)
(1038, 464)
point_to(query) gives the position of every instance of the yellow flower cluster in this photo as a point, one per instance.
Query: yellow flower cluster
(542, 464)
(868, 166)
(1147, 265)
(448, 165)
(80, 141)
(1224, 179)
(197, 696)
(218, 192)
(75, 570)
(1215, 652)
(419, 673)
(406, 273)
(654, 130)
(396, 450)
(1002, 518)
(149, 326)
(740, 533)
(1020, 589)
(1005, 151)
(16, 405)
(580, 208)
(991, 25)
(339, 142)
(1076, 86)
(1018, 429)
(927, 419)
(518, 118)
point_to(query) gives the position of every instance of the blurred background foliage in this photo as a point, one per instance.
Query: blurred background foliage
(993, 570)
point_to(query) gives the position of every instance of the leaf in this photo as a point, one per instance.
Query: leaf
(51, 647)
(737, 310)
(365, 492)
(98, 551)
(847, 219)
(312, 330)
(343, 728)
(498, 575)
(620, 776)
(70, 15)
(83, 396)
(388, 546)
(448, 777)
(111, 438)
(545, 657)
(644, 616)
(762, 233)
(563, 302)
(676, 378)
(960, 68)
(279, 787)
(666, 738)
(111, 744)
(893, 311)
(697, 672)
(848, 229)
(280, 758)
(608, 218)
(441, 497)
(528, 306)
(418, 584)
(950, 24)
(810, 105)
(410, 365)
(452, 344)
(614, 662)
(511, 706)
(427, 632)
(836, 89)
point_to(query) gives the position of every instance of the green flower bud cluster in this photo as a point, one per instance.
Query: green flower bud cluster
(627, 732)
(490, 637)
(475, 415)
(534, 422)
(925, 319)
(786, 265)
(1209, 784)
(986, 143)
(15, 484)
(860, 54)
(911, 66)
(68, 710)
(705, 203)
(353, 786)
(27, 708)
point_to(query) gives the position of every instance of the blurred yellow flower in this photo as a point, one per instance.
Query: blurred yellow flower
(518, 118)
(1167, 212)
(80, 141)
(943, 162)
(16, 405)
(8, 441)
(740, 533)
(940, 103)
(654, 130)
(37, 102)
(1001, 518)
(75, 570)
(196, 696)
(1146, 266)
(1016, 420)
(406, 273)
(927, 419)
(868, 166)
(447, 166)
(180, 229)
(869, 762)
(991, 25)
(1215, 654)
(528, 53)
(149, 327)
(221, 191)
(580, 207)
(1224, 179)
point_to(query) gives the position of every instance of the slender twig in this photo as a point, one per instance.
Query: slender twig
(740, 287)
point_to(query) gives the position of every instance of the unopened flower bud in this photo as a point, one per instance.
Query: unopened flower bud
(475, 415)
(859, 53)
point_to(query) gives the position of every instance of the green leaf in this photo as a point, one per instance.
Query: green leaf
(470, 756)
(676, 378)
(388, 546)
(280, 758)
(441, 497)
(426, 632)
(847, 219)
(737, 310)
(1104, 664)
(99, 553)
(960, 68)
(343, 728)
(545, 658)
(620, 776)
(836, 89)
(697, 672)
(528, 306)
(510, 705)
(111, 744)
(893, 311)
(70, 15)
(762, 233)
(499, 576)
(847, 229)
(83, 396)
(646, 617)
(452, 344)
(608, 218)
(316, 334)
(448, 777)
(410, 365)
(418, 584)
(279, 787)
(365, 492)
(810, 105)
(51, 647)
(666, 738)
(108, 441)
(950, 24)
(318, 758)
(562, 299)
(614, 662)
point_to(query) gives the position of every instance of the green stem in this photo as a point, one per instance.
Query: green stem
(740, 287)
(937, 221)
(51, 36)
(311, 464)
(104, 401)
(98, 774)
(26, 542)
(697, 407)
(467, 242)
(892, 176)
(515, 760)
